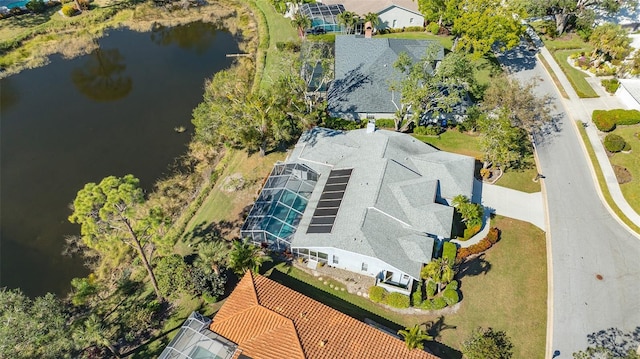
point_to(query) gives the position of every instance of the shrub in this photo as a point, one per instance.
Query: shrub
(449, 251)
(485, 243)
(385, 123)
(342, 124)
(450, 296)
(439, 303)
(433, 28)
(292, 46)
(431, 289)
(627, 147)
(68, 10)
(494, 235)
(36, 6)
(416, 296)
(414, 29)
(550, 29)
(471, 230)
(602, 121)
(610, 85)
(453, 285)
(614, 143)
(426, 305)
(397, 300)
(377, 294)
(430, 130)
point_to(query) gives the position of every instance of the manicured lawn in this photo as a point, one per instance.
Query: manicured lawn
(602, 183)
(455, 141)
(576, 77)
(631, 161)
(505, 289)
(521, 180)
(280, 30)
(445, 41)
(566, 42)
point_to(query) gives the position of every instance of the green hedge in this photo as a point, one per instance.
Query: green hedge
(606, 121)
(439, 303)
(397, 300)
(449, 251)
(385, 123)
(341, 124)
(431, 289)
(614, 143)
(416, 296)
(452, 285)
(377, 294)
(611, 85)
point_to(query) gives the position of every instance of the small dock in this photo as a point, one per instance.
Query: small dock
(238, 55)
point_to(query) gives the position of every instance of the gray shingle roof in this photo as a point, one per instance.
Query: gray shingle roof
(364, 71)
(388, 210)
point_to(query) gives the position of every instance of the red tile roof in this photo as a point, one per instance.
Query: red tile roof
(268, 320)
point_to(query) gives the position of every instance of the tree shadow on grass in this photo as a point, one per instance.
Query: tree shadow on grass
(616, 341)
(474, 267)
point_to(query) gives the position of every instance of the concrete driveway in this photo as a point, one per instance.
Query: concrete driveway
(507, 202)
(594, 263)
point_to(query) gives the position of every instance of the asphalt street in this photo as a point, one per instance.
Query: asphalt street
(595, 263)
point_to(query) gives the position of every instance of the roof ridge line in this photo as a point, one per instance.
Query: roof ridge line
(288, 321)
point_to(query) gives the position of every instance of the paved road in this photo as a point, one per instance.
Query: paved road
(586, 242)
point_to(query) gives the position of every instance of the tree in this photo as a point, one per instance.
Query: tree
(301, 22)
(482, 23)
(174, 277)
(317, 56)
(566, 12)
(111, 213)
(604, 353)
(36, 6)
(92, 332)
(518, 101)
(33, 328)
(84, 289)
(471, 213)
(373, 18)
(212, 255)
(442, 11)
(425, 90)
(439, 270)
(502, 144)
(487, 344)
(245, 256)
(414, 336)
(610, 42)
(348, 20)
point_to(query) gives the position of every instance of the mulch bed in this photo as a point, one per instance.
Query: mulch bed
(622, 174)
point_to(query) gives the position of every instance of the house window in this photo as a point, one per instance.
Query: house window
(335, 259)
(394, 24)
(411, 21)
(371, 117)
(365, 267)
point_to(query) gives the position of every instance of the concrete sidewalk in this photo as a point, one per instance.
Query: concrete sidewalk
(581, 109)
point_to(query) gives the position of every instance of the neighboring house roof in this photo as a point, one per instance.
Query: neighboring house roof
(388, 210)
(633, 87)
(268, 320)
(364, 72)
(376, 6)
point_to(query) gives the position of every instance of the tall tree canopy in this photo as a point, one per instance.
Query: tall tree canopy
(610, 42)
(487, 344)
(502, 143)
(566, 12)
(414, 337)
(246, 256)
(110, 213)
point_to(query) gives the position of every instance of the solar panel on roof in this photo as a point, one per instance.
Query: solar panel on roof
(335, 187)
(325, 212)
(329, 204)
(323, 220)
(337, 180)
(344, 172)
(319, 229)
(331, 195)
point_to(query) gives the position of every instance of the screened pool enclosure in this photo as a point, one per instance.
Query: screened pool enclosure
(323, 16)
(282, 201)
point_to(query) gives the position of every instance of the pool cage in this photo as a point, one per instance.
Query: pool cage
(277, 211)
(196, 341)
(323, 16)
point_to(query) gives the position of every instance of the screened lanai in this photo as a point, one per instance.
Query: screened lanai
(323, 16)
(282, 201)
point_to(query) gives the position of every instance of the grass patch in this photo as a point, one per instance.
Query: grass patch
(565, 42)
(505, 289)
(602, 183)
(554, 77)
(575, 76)
(454, 141)
(445, 41)
(521, 180)
(631, 161)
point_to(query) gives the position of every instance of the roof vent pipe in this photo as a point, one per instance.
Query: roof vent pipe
(368, 29)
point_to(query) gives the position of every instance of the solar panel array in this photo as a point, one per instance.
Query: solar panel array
(325, 214)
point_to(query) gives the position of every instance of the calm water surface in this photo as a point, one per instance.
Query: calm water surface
(112, 112)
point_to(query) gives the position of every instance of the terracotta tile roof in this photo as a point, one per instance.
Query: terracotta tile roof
(268, 320)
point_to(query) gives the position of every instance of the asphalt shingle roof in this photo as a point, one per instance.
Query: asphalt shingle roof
(364, 71)
(270, 321)
(391, 193)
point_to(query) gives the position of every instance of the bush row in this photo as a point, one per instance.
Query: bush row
(485, 243)
(385, 123)
(449, 251)
(431, 130)
(606, 121)
(450, 296)
(404, 29)
(394, 299)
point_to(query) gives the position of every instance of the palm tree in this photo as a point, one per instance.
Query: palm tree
(245, 256)
(439, 270)
(301, 22)
(348, 19)
(212, 255)
(373, 18)
(414, 336)
(92, 332)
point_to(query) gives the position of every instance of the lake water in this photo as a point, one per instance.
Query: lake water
(112, 112)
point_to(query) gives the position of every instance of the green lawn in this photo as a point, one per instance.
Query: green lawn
(445, 41)
(280, 30)
(631, 161)
(455, 141)
(575, 76)
(603, 186)
(521, 180)
(505, 289)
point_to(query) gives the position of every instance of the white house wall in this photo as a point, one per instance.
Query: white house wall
(353, 262)
(625, 97)
(402, 18)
